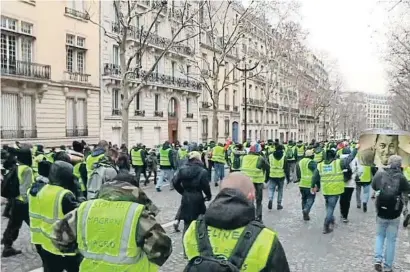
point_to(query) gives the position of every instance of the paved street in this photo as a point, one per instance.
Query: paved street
(349, 248)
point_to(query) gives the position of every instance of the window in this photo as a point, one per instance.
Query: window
(173, 69)
(188, 105)
(115, 55)
(205, 126)
(137, 22)
(116, 102)
(172, 107)
(226, 126)
(70, 39)
(26, 49)
(157, 64)
(26, 28)
(17, 116)
(8, 23)
(156, 102)
(188, 70)
(8, 53)
(69, 59)
(226, 96)
(138, 101)
(77, 5)
(80, 62)
(234, 98)
(75, 54)
(80, 42)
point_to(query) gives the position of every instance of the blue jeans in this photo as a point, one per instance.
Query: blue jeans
(219, 171)
(386, 230)
(272, 183)
(307, 199)
(331, 202)
(167, 174)
(366, 194)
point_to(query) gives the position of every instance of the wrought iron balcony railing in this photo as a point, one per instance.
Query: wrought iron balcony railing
(76, 13)
(139, 113)
(227, 107)
(71, 132)
(235, 108)
(158, 113)
(206, 105)
(189, 115)
(26, 69)
(172, 114)
(77, 77)
(8, 133)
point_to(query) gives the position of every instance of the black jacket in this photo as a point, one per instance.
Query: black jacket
(192, 182)
(231, 210)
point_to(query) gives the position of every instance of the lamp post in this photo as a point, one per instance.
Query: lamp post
(245, 70)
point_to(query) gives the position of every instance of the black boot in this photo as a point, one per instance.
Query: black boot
(364, 207)
(306, 216)
(406, 220)
(327, 229)
(279, 207)
(9, 251)
(176, 226)
(270, 205)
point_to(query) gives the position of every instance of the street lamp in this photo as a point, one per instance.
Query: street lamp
(245, 70)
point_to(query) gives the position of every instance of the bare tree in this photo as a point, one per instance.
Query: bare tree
(133, 43)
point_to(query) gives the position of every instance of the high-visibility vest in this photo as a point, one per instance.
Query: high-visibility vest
(276, 167)
(50, 157)
(318, 157)
(182, 153)
(306, 174)
(90, 161)
(136, 157)
(106, 237)
(224, 241)
(218, 154)
(331, 178)
(20, 170)
(36, 161)
(77, 174)
(367, 174)
(164, 157)
(271, 149)
(406, 172)
(250, 169)
(301, 150)
(292, 149)
(45, 209)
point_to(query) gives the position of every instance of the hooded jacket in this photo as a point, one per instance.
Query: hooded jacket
(231, 210)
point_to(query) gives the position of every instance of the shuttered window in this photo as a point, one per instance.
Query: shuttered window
(9, 114)
(70, 123)
(81, 114)
(76, 117)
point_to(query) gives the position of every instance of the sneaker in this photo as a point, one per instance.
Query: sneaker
(327, 229)
(406, 220)
(158, 189)
(270, 205)
(345, 220)
(9, 251)
(358, 206)
(279, 207)
(378, 267)
(364, 207)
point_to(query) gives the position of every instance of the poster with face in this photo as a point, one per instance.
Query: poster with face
(377, 145)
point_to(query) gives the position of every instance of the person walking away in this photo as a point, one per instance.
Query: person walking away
(218, 160)
(80, 167)
(406, 214)
(389, 184)
(277, 172)
(346, 196)
(363, 180)
(182, 157)
(304, 172)
(210, 163)
(136, 241)
(291, 157)
(44, 201)
(97, 154)
(192, 183)
(38, 157)
(245, 244)
(235, 158)
(300, 148)
(166, 165)
(138, 161)
(319, 153)
(329, 176)
(19, 205)
(152, 166)
(123, 164)
(254, 165)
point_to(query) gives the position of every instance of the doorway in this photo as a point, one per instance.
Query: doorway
(173, 109)
(235, 132)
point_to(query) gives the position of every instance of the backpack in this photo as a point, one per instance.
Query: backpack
(236, 161)
(97, 179)
(389, 198)
(10, 186)
(207, 261)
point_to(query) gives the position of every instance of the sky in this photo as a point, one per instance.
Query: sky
(350, 31)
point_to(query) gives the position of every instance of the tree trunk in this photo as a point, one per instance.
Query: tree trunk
(215, 106)
(124, 126)
(315, 124)
(264, 119)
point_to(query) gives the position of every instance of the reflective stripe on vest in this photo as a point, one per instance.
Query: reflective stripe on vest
(318, 157)
(90, 163)
(276, 167)
(44, 210)
(224, 241)
(306, 174)
(249, 168)
(331, 178)
(301, 150)
(77, 174)
(367, 174)
(164, 157)
(218, 154)
(136, 157)
(118, 250)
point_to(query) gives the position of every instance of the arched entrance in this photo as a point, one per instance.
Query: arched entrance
(173, 109)
(235, 132)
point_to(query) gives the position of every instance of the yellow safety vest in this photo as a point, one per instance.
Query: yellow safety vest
(250, 169)
(182, 153)
(305, 173)
(20, 170)
(136, 158)
(218, 154)
(106, 233)
(331, 178)
(90, 161)
(318, 157)
(77, 174)
(276, 167)
(367, 174)
(44, 210)
(223, 242)
(164, 157)
(406, 172)
(36, 161)
(301, 150)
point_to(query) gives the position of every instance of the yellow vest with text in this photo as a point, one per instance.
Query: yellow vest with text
(276, 167)
(306, 174)
(331, 178)
(223, 243)
(250, 169)
(20, 170)
(367, 174)
(90, 161)
(44, 210)
(164, 157)
(218, 154)
(106, 237)
(136, 157)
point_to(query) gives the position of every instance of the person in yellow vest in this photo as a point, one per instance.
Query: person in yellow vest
(233, 236)
(80, 168)
(406, 214)
(363, 179)
(254, 165)
(19, 205)
(329, 176)
(182, 157)
(138, 162)
(218, 159)
(304, 172)
(115, 232)
(38, 157)
(300, 148)
(319, 155)
(97, 155)
(166, 165)
(48, 203)
(278, 170)
(291, 155)
(235, 158)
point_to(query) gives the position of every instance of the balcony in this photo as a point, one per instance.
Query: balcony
(71, 132)
(76, 77)
(189, 115)
(283, 126)
(204, 135)
(253, 102)
(206, 105)
(77, 14)
(139, 113)
(294, 126)
(172, 114)
(158, 114)
(111, 69)
(18, 133)
(27, 69)
(116, 112)
(273, 105)
(227, 107)
(235, 108)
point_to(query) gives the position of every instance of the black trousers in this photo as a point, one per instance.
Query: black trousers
(57, 263)
(258, 198)
(149, 175)
(138, 171)
(18, 215)
(345, 199)
(210, 165)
